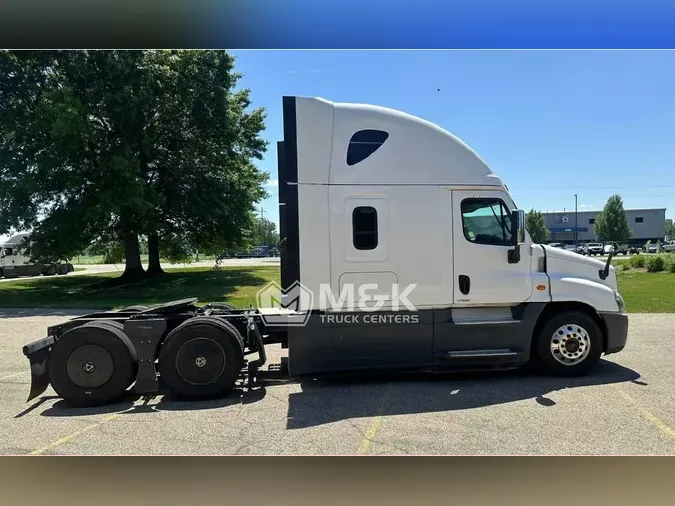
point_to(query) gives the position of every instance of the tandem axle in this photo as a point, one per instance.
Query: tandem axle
(194, 352)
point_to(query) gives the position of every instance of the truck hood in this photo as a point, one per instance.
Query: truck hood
(567, 264)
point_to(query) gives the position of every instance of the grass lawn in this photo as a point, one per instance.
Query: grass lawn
(648, 292)
(644, 292)
(234, 285)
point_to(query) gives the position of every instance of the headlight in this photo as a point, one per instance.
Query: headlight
(619, 302)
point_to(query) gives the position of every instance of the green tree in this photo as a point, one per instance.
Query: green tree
(670, 229)
(534, 223)
(611, 224)
(106, 146)
(265, 233)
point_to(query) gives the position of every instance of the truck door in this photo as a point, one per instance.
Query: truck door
(482, 240)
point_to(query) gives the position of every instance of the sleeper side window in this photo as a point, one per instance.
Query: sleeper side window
(364, 227)
(486, 221)
(363, 144)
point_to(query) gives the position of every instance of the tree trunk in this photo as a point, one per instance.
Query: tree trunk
(154, 267)
(133, 268)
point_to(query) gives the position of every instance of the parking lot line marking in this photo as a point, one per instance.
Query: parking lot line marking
(375, 424)
(13, 375)
(649, 416)
(73, 435)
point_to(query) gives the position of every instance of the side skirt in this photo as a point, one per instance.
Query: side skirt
(437, 339)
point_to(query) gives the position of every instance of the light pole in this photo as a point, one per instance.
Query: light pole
(576, 222)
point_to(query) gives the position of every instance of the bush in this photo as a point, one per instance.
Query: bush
(655, 264)
(622, 265)
(671, 267)
(637, 261)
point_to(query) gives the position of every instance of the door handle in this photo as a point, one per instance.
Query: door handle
(464, 284)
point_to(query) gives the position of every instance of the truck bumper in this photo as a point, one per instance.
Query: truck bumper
(617, 331)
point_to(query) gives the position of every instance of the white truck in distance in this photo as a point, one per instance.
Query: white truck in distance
(15, 261)
(369, 196)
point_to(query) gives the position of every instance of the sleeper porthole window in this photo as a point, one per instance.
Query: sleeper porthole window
(364, 228)
(363, 144)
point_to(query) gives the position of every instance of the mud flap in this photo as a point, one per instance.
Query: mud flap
(38, 353)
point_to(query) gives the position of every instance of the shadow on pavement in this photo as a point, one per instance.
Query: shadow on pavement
(323, 401)
(129, 404)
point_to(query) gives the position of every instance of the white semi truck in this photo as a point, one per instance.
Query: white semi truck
(16, 262)
(370, 198)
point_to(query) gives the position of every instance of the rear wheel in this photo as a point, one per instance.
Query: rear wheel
(63, 269)
(93, 364)
(201, 359)
(569, 344)
(50, 270)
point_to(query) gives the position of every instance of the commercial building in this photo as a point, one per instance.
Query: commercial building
(646, 225)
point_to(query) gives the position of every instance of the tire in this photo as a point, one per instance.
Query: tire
(102, 345)
(219, 347)
(63, 269)
(581, 360)
(50, 270)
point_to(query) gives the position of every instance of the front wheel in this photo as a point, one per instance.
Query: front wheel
(569, 344)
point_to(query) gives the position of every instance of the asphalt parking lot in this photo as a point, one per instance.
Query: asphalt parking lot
(626, 407)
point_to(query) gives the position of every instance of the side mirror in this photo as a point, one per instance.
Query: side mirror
(518, 227)
(518, 235)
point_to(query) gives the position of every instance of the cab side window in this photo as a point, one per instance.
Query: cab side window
(486, 221)
(364, 228)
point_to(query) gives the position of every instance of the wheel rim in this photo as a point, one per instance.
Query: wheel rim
(90, 366)
(200, 361)
(570, 344)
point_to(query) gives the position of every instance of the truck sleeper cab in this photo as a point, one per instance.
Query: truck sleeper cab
(15, 260)
(375, 202)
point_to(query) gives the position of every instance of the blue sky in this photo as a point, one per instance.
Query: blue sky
(549, 123)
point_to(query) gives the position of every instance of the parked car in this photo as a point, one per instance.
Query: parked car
(620, 249)
(652, 248)
(668, 247)
(594, 248)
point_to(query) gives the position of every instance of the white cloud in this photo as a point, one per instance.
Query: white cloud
(587, 207)
(273, 183)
